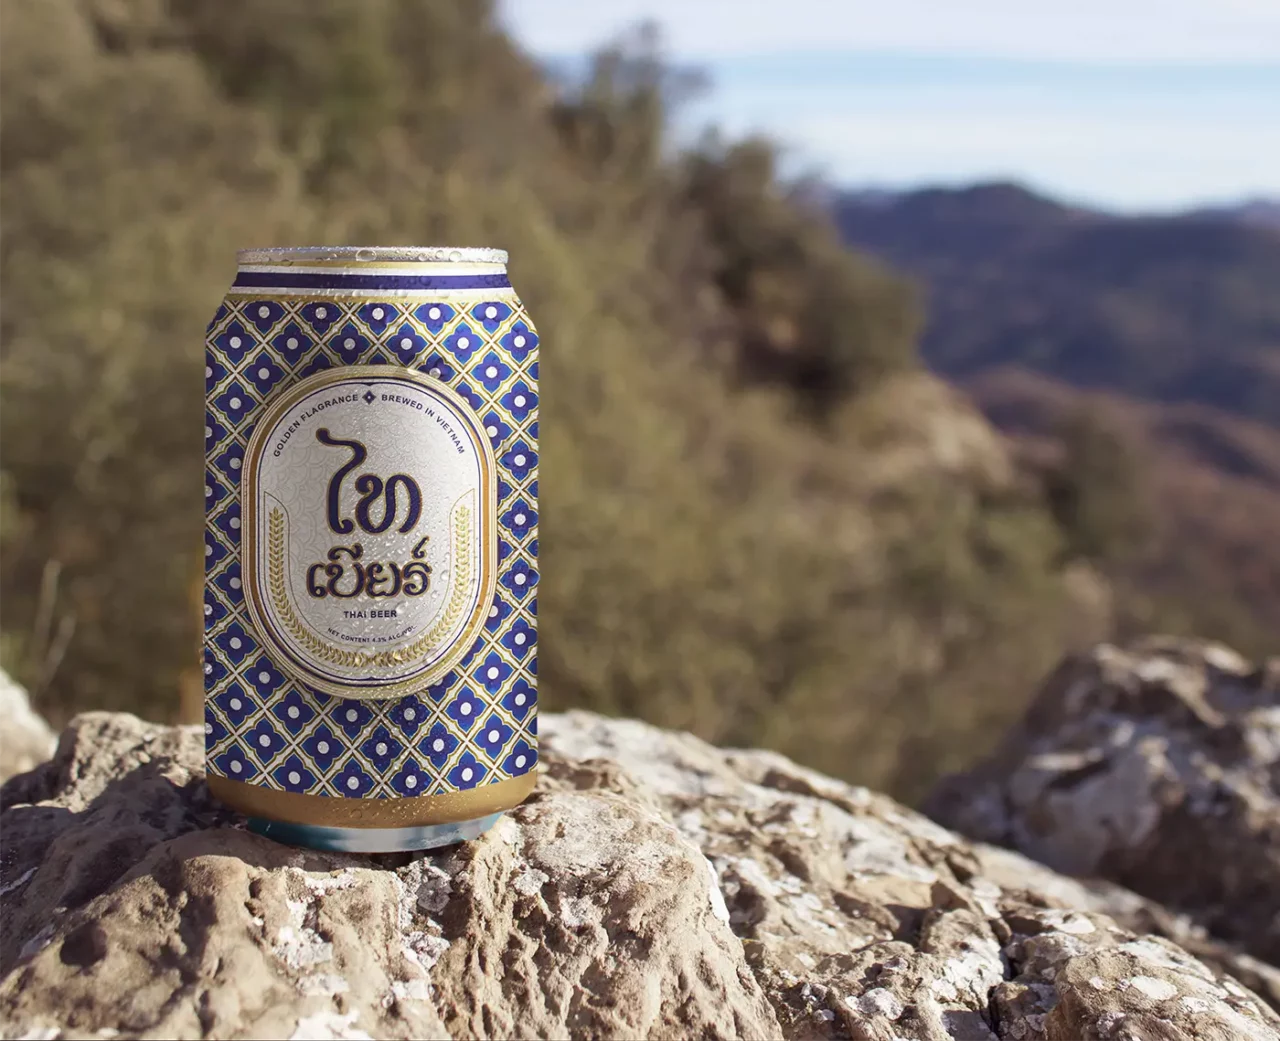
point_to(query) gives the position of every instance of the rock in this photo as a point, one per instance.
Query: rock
(654, 886)
(1157, 766)
(864, 919)
(1137, 914)
(25, 738)
(135, 904)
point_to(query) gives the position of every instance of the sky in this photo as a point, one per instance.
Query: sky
(1129, 105)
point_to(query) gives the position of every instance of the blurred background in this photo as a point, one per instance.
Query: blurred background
(888, 355)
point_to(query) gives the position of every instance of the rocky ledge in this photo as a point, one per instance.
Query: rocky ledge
(1155, 765)
(654, 887)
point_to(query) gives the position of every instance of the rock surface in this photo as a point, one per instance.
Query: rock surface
(1155, 765)
(25, 738)
(654, 886)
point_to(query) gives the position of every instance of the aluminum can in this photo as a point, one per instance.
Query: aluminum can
(371, 546)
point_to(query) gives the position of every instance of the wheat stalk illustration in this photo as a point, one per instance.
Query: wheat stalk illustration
(456, 603)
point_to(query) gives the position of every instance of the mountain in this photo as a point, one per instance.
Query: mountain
(1165, 331)
(1261, 212)
(1211, 485)
(1174, 308)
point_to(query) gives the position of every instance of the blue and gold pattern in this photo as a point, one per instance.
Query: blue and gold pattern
(478, 725)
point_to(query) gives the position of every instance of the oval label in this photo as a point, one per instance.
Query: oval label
(369, 496)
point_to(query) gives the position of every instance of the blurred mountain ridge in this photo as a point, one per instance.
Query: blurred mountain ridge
(1165, 329)
(1169, 308)
(1261, 211)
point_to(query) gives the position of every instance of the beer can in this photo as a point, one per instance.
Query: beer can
(371, 546)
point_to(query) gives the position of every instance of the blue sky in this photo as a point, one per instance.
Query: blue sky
(1133, 105)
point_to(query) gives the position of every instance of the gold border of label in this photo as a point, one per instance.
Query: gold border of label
(249, 526)
(334, 812)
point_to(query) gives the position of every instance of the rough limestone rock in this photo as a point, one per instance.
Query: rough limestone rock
(1157, 766)
(25, 738)
(653, 887)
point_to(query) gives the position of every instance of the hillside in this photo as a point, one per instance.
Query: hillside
(1179, 308)
(1165, 331)
(1211, 484)
(762, 520)
(1262, 212)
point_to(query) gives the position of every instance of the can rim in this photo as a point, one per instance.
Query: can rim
(374, 254)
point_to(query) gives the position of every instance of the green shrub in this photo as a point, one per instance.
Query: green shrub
(1096, 491)
(761, 521)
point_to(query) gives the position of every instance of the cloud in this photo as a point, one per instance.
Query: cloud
(1083, 30)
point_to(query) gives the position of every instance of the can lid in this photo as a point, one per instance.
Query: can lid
(374, 254)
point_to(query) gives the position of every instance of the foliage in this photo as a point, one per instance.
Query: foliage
(761, 521)
(1035, 305)
(810, 314)
(1095, 491)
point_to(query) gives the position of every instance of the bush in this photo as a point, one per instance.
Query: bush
(1096, 491)
(761, 521)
